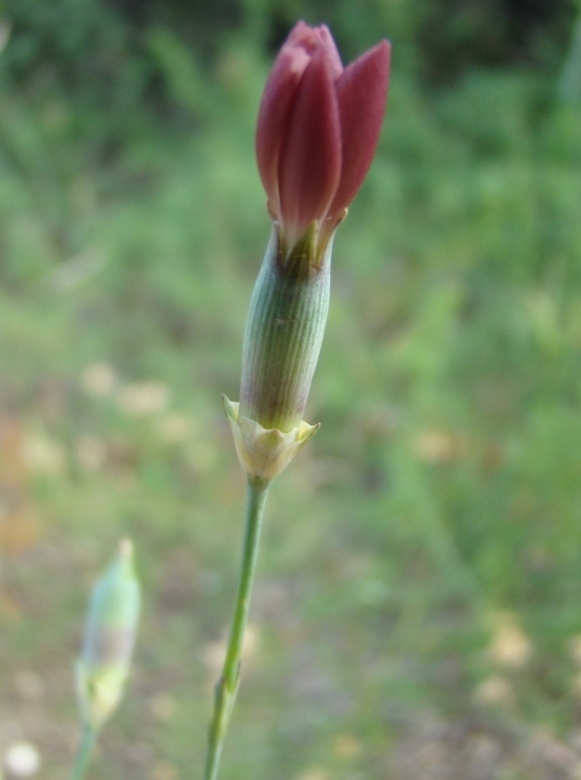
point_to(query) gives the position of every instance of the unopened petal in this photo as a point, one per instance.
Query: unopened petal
(274, 116)
(310, 160)
(361, 96)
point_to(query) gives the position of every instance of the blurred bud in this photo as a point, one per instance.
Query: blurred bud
(104, 665)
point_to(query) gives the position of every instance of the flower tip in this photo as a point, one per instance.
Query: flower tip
(126, 549)
(381, 55)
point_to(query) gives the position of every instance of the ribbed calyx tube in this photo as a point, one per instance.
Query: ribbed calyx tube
(284, 332)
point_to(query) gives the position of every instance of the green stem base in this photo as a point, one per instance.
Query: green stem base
(84, 751)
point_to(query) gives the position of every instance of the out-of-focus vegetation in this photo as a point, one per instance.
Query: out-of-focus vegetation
(417, 610)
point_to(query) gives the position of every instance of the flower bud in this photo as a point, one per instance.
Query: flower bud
(318, 128)
(103, 668)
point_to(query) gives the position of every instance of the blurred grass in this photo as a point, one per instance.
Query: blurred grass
(421, 560)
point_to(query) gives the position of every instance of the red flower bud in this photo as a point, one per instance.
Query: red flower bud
(318, 128)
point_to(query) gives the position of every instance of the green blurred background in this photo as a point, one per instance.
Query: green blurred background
(417, 607)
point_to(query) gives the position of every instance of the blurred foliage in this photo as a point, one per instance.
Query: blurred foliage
(112, 55)
(417, 595)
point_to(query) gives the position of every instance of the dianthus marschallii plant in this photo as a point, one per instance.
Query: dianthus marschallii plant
(318, 128)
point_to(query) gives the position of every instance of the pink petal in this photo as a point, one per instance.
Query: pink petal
(361, 95)
(310, 158)
(273, 115)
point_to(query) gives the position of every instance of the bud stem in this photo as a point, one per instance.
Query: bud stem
(84, 751)
(227, 685)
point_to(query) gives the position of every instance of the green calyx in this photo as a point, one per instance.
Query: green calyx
(284, 332)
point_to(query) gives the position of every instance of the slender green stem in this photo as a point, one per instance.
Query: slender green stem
(227, 685)
(84, 751)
